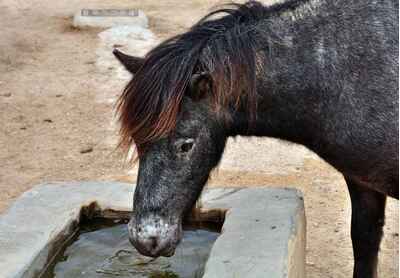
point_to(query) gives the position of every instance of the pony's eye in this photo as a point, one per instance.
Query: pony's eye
(186, 146)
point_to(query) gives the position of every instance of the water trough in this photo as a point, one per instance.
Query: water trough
(262, 234)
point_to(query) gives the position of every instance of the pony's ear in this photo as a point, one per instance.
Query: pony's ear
(200, 86)
(131, 63)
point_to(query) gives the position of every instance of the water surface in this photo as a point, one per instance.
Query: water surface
(107, 253)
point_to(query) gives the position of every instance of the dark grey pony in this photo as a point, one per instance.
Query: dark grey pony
(323, 74)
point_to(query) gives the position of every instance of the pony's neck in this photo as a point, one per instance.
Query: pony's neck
(290, 99)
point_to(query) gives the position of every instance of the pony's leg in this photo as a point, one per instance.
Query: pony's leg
(367, 220)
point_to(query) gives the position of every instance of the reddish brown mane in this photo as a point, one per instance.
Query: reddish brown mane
(225, 47)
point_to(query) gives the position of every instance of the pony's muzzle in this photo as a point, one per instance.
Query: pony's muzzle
(154, 236)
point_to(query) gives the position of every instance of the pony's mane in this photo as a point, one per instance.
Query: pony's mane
(226, 47)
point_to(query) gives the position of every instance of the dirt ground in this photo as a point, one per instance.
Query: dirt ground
(56, 126)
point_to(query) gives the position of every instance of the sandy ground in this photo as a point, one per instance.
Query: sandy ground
(57, 114)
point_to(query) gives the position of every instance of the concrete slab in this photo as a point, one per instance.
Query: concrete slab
(263, 233)
(30, 227)
(105, 18)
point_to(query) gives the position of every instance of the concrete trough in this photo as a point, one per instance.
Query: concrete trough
(263, 233)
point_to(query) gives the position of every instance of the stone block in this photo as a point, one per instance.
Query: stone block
(106, 18)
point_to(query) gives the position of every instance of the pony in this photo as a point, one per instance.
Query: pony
(319, 73)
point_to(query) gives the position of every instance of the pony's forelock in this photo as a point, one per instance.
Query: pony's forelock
(225, 47)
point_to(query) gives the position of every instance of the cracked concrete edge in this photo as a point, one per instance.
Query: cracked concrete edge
(25, 248)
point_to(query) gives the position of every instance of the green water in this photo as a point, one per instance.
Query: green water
(107, 253)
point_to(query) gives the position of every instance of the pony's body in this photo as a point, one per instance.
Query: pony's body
(323, 74)
(330, 82)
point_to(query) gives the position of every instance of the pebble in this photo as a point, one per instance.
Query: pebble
(87, 149)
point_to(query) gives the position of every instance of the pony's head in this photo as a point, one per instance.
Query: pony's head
(178, 110)
(174, 168)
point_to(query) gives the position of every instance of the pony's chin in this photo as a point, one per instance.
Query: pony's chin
(169, 253)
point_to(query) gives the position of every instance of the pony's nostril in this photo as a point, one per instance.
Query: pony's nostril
(153, 242)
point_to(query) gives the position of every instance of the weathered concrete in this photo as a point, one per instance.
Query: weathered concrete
(263, 234)
(30, 227)
(109, 18)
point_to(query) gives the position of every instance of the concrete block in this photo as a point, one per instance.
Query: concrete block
(264, 234)
(105, 18)
(41, 216)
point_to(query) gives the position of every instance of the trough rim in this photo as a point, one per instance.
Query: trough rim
(217, 204)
